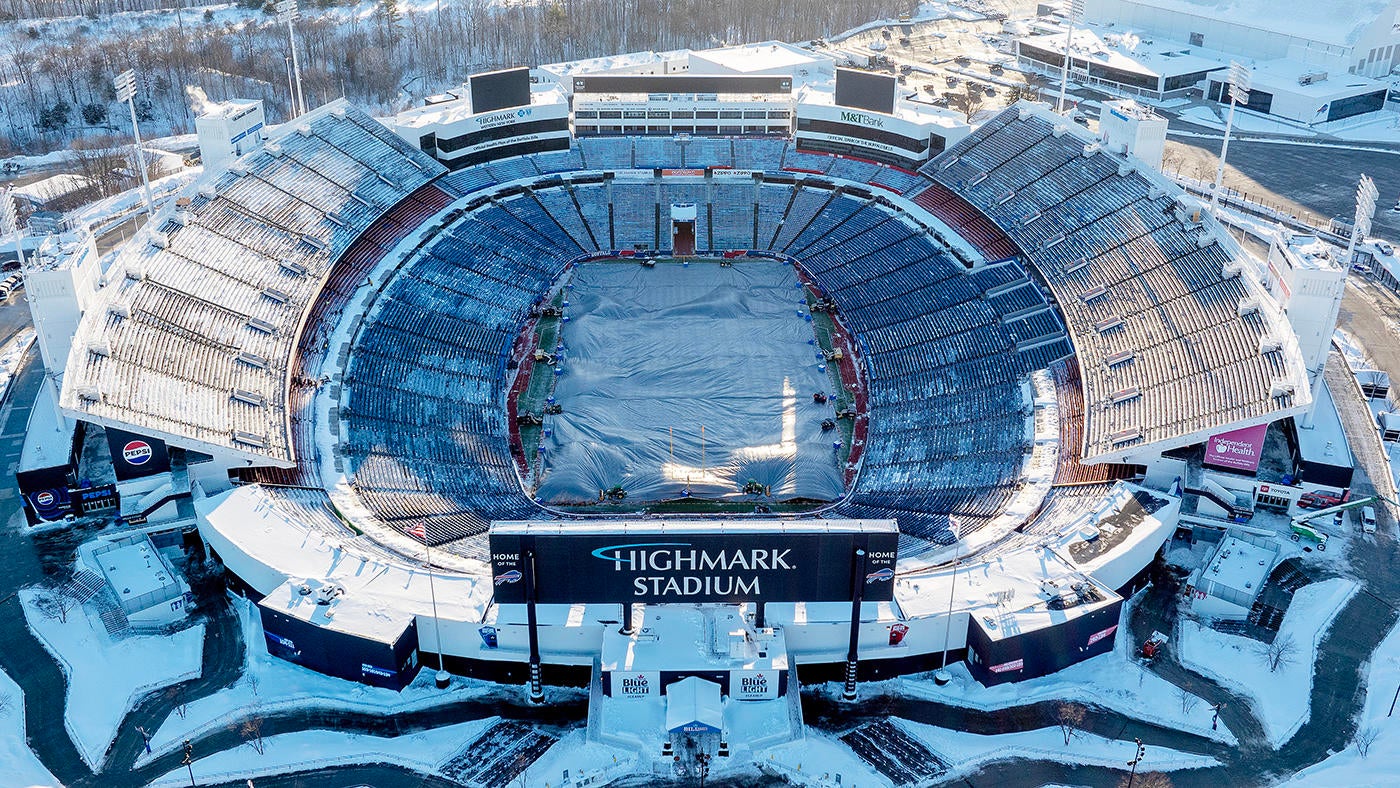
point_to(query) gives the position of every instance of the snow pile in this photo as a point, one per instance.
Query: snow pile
(18, 765)
(1376, 724)
(316, 749)
(1280, 698)
(106, 678)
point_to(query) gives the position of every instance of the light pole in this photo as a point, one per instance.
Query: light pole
(442, 678)
(189, 760)
(1141, 750)
(1239, 82)
(125, 85)
(942, 676)
(287, 12)
(1076, 14)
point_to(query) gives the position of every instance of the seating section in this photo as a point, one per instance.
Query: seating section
(1174, 342)
(193, 337)
(945, 431)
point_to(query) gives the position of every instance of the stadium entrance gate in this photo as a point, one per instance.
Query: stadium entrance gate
(683, 229)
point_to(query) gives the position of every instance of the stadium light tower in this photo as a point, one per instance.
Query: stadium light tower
(1366, 196)
(125, 84)
(1239, 82)
(1075, 15)
(287, 12)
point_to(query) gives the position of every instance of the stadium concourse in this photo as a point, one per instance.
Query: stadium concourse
(338, 326)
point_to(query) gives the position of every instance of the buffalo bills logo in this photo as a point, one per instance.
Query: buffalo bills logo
(513, 576)
(880, 576)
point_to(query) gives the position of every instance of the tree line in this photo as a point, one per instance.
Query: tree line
(57, 87)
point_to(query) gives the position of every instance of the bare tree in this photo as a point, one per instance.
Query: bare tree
(1365, 738)
(54, 604)
(1069, 716)
(1280, 653)
(250, 730)
(1188, 700)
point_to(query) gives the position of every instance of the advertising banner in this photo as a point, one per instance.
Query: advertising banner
(636, 683)
(1007, 667)
(134, 456)
(753, 684)
(712, 566)
(1238, 450)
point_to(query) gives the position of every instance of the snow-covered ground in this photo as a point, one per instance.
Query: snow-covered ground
(1280, 698)
(18, 765)
(968, 751)
(1244, 121)
(423, 751)
(271, 685)
(106, 677)
(1381, 764)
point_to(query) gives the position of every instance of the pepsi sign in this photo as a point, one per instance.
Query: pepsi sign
(137, 452)
(135, 456)
(49, 505)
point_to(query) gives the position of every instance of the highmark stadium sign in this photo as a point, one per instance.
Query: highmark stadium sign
(729, 565)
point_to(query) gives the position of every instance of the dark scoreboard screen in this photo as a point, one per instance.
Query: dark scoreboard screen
(500, 89)
(864, 90)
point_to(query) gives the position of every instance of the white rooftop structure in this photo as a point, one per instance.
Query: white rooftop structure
(1009, 593)
(1355, 33)
(280, 539)
(767, 57)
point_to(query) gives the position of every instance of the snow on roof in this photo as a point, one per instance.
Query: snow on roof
(459, 105)
(1325, 441)
(824, 93)
(134, 569)
(1282, 75)
(1311, 252)
(51, 188)
(1333, 22)
(1128, 52)
(48, 439)
(1239, 565)
(670, 638)
(275, 551)
(765, 56)
(602, 65)
(693, 701)
(1012, 591)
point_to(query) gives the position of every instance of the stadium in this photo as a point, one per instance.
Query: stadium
(411, 398)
